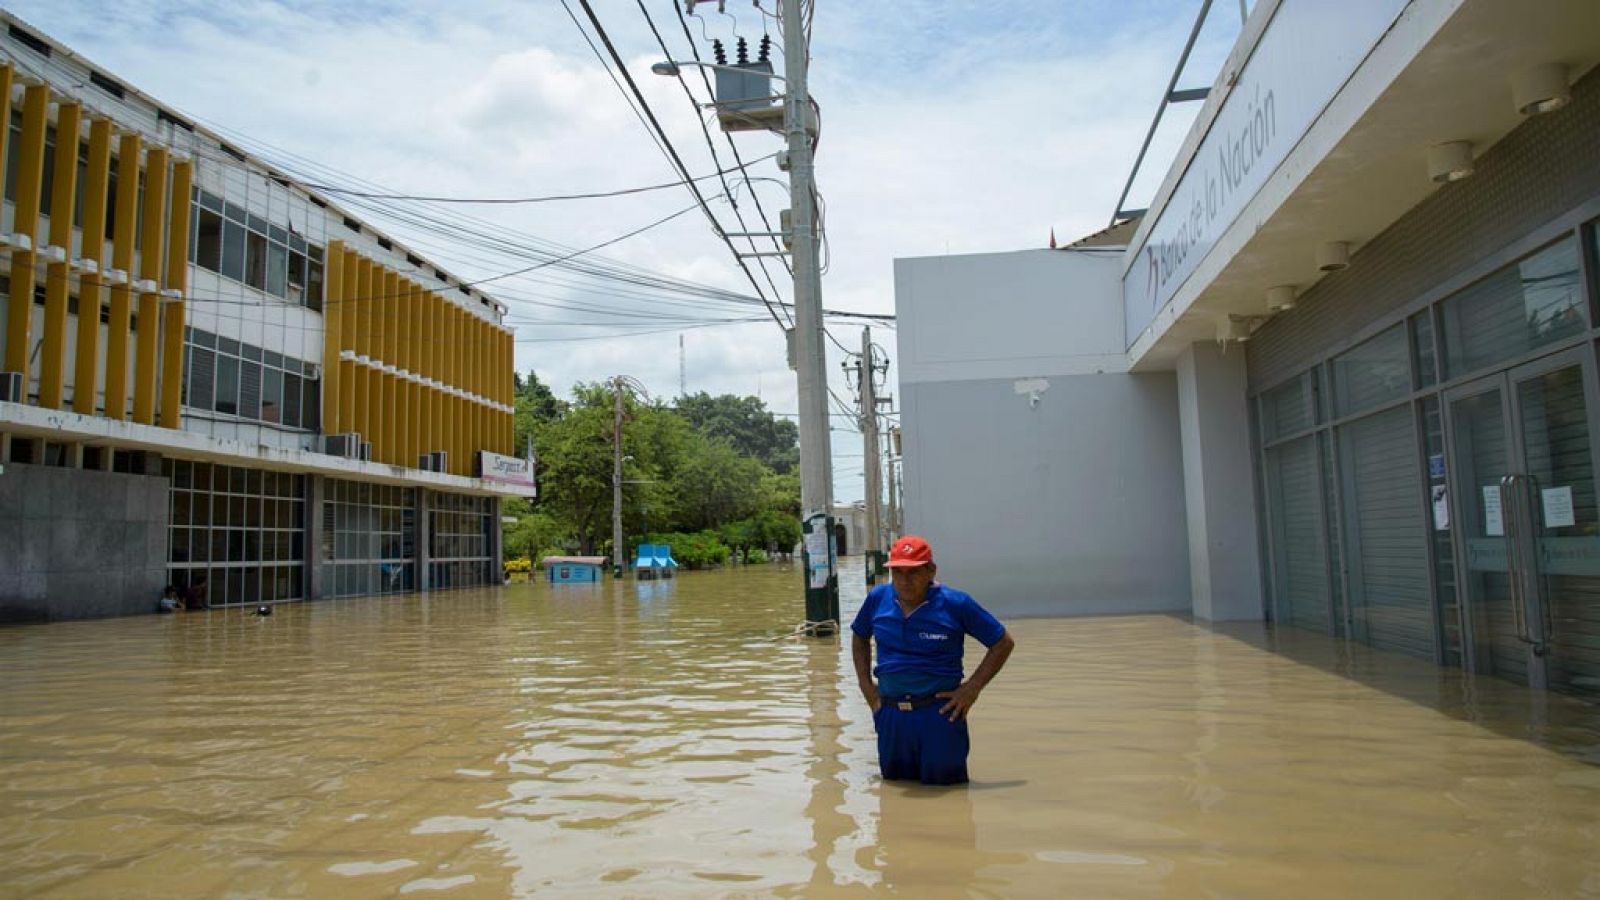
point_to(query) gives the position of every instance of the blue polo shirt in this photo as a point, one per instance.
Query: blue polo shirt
(920, 654)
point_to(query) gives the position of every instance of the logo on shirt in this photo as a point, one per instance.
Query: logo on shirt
(931, 636)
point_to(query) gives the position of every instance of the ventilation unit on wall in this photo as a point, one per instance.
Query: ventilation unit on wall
(344, 446)
(11, 388)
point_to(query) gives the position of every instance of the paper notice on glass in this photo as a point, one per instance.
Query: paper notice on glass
(1441, 508)
(817, 547)
(1493, 524)
(1558, 507)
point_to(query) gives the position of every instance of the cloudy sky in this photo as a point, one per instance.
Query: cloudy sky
(947, 127)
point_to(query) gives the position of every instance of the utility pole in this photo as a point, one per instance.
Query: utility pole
(616, 481)
(872, 468)
(816, 463)
(894, 503)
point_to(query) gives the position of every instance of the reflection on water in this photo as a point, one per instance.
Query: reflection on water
(665, 738)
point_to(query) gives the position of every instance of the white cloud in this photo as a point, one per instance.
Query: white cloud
(946, 128)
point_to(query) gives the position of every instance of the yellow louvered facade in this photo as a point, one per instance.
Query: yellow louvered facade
(405, 363)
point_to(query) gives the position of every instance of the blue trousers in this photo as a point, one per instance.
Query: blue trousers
(921, 744)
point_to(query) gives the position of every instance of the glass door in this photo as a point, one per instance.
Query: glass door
(1528, 522)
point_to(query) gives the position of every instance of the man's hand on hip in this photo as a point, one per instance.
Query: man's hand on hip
(961, 700)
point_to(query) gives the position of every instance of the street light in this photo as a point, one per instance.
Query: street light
(671, 67)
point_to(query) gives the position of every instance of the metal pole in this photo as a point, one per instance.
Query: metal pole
(816, 463)
(894, 504)
(869, 441)
(616, 482)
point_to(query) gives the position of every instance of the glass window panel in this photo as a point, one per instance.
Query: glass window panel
(208, 240)
(291, 401)
(313, 292)
(255, 260)
(250, 390)
(1372, 373)
(227, 400)
(201, 387)
(1527, 305)
(180, 507)
(233, 241)
(277, 269)
(200, 544)
(200, 510)
(252, 482)
(1422, 346)
(237, 480)
(202, 476)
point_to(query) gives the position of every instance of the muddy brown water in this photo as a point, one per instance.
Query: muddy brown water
(666, 739)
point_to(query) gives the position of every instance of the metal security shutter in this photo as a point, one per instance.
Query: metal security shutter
(1299, 552)
(202, 377)
(1386, 537)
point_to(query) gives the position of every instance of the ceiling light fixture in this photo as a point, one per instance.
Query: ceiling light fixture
(1333, 256)
(1450, 161)
(1541, 89)
(1280, 297)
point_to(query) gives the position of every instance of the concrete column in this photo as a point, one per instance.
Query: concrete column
(497, 544)
(424, 539)
(313, 575)
(1219, 489)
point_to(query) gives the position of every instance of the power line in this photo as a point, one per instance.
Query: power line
(672, 152)
(335, 189)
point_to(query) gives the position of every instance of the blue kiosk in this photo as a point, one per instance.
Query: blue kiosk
(654, 561)
(573, 569)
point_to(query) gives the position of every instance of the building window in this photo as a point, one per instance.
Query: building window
(459, 541)
(237, 536)
(1375, 372)
(370, 538)
(247, 248)
(246, 381)
(227, 399)
(1527, 305)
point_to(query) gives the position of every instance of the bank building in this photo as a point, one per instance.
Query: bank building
(1339, 376)
(214, 378)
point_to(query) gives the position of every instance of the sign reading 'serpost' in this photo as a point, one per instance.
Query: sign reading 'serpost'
(1306, 54)
(510, 470)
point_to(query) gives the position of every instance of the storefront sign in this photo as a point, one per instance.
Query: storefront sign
(1308, 51)
(506, 470)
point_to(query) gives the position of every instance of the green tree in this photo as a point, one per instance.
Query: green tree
(535, 405)
(745, 423)
(716, 485)
(535, 535)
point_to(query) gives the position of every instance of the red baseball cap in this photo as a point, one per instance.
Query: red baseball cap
(910, 551)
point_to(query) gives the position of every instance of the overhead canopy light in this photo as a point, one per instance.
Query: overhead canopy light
(1280, 297)
(1333, 256)
(1541, 89)
(1450, 161)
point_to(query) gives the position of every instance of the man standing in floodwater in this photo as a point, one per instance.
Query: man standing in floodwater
(921, 627)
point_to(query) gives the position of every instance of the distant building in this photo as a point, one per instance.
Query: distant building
(1341, 375)
(213, 377)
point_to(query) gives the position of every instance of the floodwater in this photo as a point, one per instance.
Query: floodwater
(665, 739)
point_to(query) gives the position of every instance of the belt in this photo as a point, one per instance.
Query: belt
(909, 703)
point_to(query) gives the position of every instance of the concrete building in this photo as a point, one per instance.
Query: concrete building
(1341, 375)
(215, 378)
